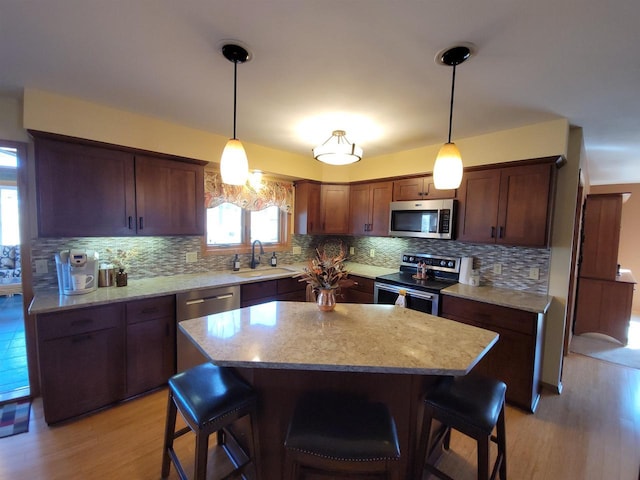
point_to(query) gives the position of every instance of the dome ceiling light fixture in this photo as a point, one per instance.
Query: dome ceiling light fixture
(234, 167)
(337, 150)
(447, 171)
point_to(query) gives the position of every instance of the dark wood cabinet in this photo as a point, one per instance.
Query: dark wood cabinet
(89, 190)
(82, 360)
(516, 359)
(419, 188)
(369, 208)
(360, 292)
(285, 289)
(307, 208)
(511, 205)
(151, 333)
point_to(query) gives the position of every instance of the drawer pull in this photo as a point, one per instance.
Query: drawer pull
(84, 321)
(146, 311)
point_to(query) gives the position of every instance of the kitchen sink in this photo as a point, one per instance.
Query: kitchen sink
(264, 272)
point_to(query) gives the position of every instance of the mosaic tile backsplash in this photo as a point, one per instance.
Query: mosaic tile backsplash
(161, 256)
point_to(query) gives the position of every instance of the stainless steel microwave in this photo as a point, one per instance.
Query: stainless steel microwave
(422, 218)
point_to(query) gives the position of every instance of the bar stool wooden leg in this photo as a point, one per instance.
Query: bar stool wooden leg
(169, 436)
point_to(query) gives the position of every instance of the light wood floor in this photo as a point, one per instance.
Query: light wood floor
(591, 431)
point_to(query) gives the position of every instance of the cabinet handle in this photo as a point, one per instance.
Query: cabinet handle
(500, 230)
(130, 222)
(149, 310)
(84, 321)
(140, 223)
(366, 227)
(493, 232)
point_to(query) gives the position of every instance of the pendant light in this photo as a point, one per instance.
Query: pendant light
(447, 171)
(234, 167)
(337, 150)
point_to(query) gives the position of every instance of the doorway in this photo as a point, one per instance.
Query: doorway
(14, 375)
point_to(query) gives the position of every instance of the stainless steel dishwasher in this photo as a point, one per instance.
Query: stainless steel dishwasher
(199, 303)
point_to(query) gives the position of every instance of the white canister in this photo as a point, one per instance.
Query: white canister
(474, 278)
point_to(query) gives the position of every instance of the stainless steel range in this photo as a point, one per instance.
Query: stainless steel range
(422, 294)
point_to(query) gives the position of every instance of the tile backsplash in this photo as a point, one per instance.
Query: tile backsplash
(160, 256)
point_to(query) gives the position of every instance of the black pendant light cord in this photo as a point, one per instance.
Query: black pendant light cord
(235, 96)
(453, 85)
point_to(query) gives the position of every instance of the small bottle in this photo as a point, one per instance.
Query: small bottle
(236, 263)
(274, 260)
(419, 270)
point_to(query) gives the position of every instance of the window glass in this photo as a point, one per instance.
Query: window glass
(224, 225)
(265, 225)
(9, 216)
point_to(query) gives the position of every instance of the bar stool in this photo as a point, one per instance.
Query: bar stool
(209, 398)
(341, 434)
(473, 405)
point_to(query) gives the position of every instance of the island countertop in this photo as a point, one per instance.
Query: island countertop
(352, 338)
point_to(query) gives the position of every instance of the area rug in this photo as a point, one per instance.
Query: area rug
(14, 418)
(608, 351)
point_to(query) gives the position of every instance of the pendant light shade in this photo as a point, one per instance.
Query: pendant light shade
(234, 167)
(448, 168)
(337, 150)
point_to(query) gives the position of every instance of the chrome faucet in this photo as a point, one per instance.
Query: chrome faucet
(255, 262)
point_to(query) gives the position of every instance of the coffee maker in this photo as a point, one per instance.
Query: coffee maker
(77, 271)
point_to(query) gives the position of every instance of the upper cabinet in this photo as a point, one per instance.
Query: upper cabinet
(510, 205)
(419, 188)
(601, 236)
(369, 208)
(89, 190)
(321, 208)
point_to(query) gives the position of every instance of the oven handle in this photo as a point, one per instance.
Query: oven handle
(411, 293)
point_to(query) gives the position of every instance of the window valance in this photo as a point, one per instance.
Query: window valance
(269, 193)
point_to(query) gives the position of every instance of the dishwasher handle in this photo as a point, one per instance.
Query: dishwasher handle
(209, 299)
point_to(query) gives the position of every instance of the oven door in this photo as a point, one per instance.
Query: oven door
(427, 302)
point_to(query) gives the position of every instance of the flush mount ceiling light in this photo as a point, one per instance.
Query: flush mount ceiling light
(447, 171)
(337, 150)
(234, 167)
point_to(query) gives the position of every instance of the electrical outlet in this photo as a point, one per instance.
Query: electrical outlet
(352, 251)
(42, 267)
(372, 253)
(192, 257)
(497, 268)
(534, 273)
(297, 250)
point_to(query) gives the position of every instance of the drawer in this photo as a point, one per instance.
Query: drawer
(362, 284)
(488, 315)
(82, 320)
(251, 291)
(288, 285)
(151, 308)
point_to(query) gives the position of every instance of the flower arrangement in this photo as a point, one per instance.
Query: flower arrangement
(325, 272)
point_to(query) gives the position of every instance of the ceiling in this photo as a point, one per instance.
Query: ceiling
(364, 66)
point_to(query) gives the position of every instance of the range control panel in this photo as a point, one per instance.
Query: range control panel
(433, 262)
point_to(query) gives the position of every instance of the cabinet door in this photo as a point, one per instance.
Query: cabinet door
(523, 212)
(169, 197)
(258, 292)
(150, 354)
(431, 192)
(380, 199)
(335, 208)
(81, 373)
(601, 233)
(307, 209)
(408, 189)
(359, 212)
(479, 193)
(83, 190)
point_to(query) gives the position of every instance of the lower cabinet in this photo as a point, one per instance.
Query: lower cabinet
(517, 357)
(360, 292)
(285, 289)
(92, 357)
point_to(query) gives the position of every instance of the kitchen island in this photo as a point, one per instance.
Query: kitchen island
(389, 353)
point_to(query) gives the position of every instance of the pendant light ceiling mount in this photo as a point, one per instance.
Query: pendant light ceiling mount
(448, 168)
(234, 167)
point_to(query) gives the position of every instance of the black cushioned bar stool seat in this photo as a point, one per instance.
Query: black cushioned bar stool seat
(209, 398)
(341, 435)
(472, 405)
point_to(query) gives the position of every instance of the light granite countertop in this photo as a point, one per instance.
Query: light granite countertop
(352, 338)
(530, 302)
(51, 301)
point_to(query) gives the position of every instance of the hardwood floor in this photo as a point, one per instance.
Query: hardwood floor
(590, 432)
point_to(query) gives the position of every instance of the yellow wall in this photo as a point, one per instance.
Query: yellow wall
(73, 117)
(630, 231)
(11, 120)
